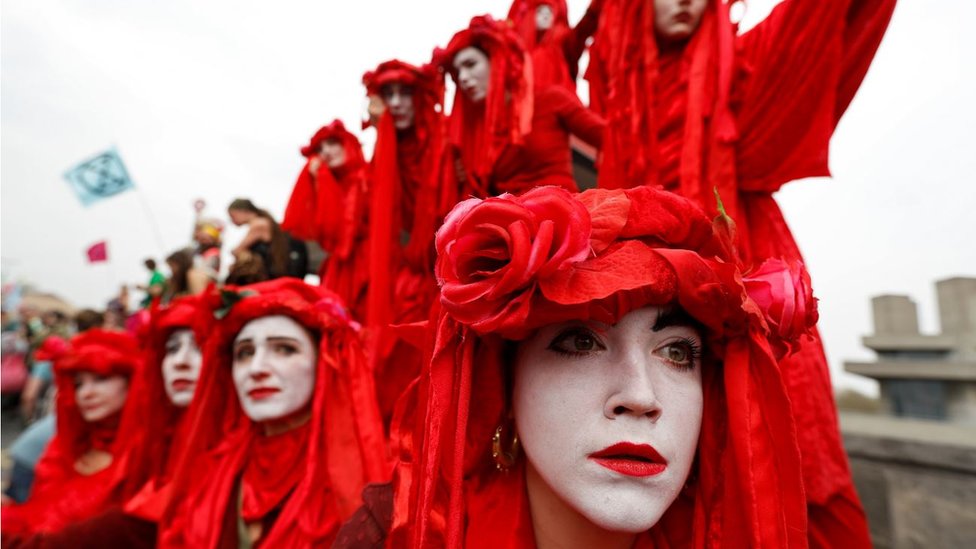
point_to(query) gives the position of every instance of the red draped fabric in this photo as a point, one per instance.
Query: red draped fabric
(447, 491)
(300, 484)
(61, 495)
(556, 52)
(784, 85)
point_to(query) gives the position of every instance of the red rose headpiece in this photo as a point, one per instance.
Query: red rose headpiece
(346, 447)
(511, 264)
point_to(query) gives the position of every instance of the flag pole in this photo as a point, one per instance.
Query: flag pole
(145, 205)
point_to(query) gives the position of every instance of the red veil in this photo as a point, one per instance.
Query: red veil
(406, 198)
(508, 265)
(60, 495)
(481, 131)
(329, 459)
(744, 114)
(156, 428)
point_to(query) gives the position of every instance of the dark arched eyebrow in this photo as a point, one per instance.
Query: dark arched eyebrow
(674, 316)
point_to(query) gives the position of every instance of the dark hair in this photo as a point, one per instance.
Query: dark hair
(87, 319)
(180, 263)
(150, 263)
(279, 245)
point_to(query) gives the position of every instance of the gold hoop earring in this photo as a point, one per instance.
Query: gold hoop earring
(504, 460)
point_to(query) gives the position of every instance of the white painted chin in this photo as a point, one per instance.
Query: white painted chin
(181, 399)
(475, 95)
(270, 409)
(631, 515)
(402, 123)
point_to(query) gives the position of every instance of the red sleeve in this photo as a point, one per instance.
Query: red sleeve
(577, 119)
(574, 42)
(799, 69)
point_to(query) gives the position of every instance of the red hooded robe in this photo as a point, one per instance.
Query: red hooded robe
(61, 495)
(742, 115)
(300, 484)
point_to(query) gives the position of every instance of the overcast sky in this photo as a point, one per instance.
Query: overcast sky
(213, 99)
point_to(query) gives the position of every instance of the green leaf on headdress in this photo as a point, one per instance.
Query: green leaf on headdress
(228, 298)
(724, 228)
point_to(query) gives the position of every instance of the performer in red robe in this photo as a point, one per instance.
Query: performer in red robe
(285, 431)
(598, 376)
(697, 109)
(555, 47)
(508, 135)
(149, 436)
(81, 472)
(405, 108)
(330, 204)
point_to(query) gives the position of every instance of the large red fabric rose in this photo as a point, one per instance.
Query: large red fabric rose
(782, 291)
(492, 253)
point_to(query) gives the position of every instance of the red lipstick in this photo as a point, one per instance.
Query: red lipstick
(182, 384)
(634, 460)
(261, 393)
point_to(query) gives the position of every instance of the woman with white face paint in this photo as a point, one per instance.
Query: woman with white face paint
(405, 207)
(599, 377)
(79, 475)
(286, 428)
(330, 205)
(696, 106)
(507, 133)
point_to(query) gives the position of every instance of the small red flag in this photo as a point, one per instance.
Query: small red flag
(98, 252)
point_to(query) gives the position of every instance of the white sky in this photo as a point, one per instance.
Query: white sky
(212, 100)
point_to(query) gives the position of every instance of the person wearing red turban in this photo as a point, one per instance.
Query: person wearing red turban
(82, 471)
(405, 207)
(555, 47)
(284, 428)
(329, 204)
(696, 108)
(598, 376)
(508, 134)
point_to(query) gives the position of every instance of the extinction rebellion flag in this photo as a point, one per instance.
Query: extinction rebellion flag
(99, 177)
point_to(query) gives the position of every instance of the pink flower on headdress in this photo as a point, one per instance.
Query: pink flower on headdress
(492, 253)
(334, 307)
(782, 291)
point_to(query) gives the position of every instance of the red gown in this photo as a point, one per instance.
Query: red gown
(543, 157)
(792, 78)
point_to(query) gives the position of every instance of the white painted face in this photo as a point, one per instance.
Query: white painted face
(609, 416)
(399, 99)
(181, 366)
(273, 367)
(677, 20)
(473, 73)
(333, 153)
(100, 396)
(544, 17)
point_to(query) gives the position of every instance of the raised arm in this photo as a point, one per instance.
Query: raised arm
(798, 70)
